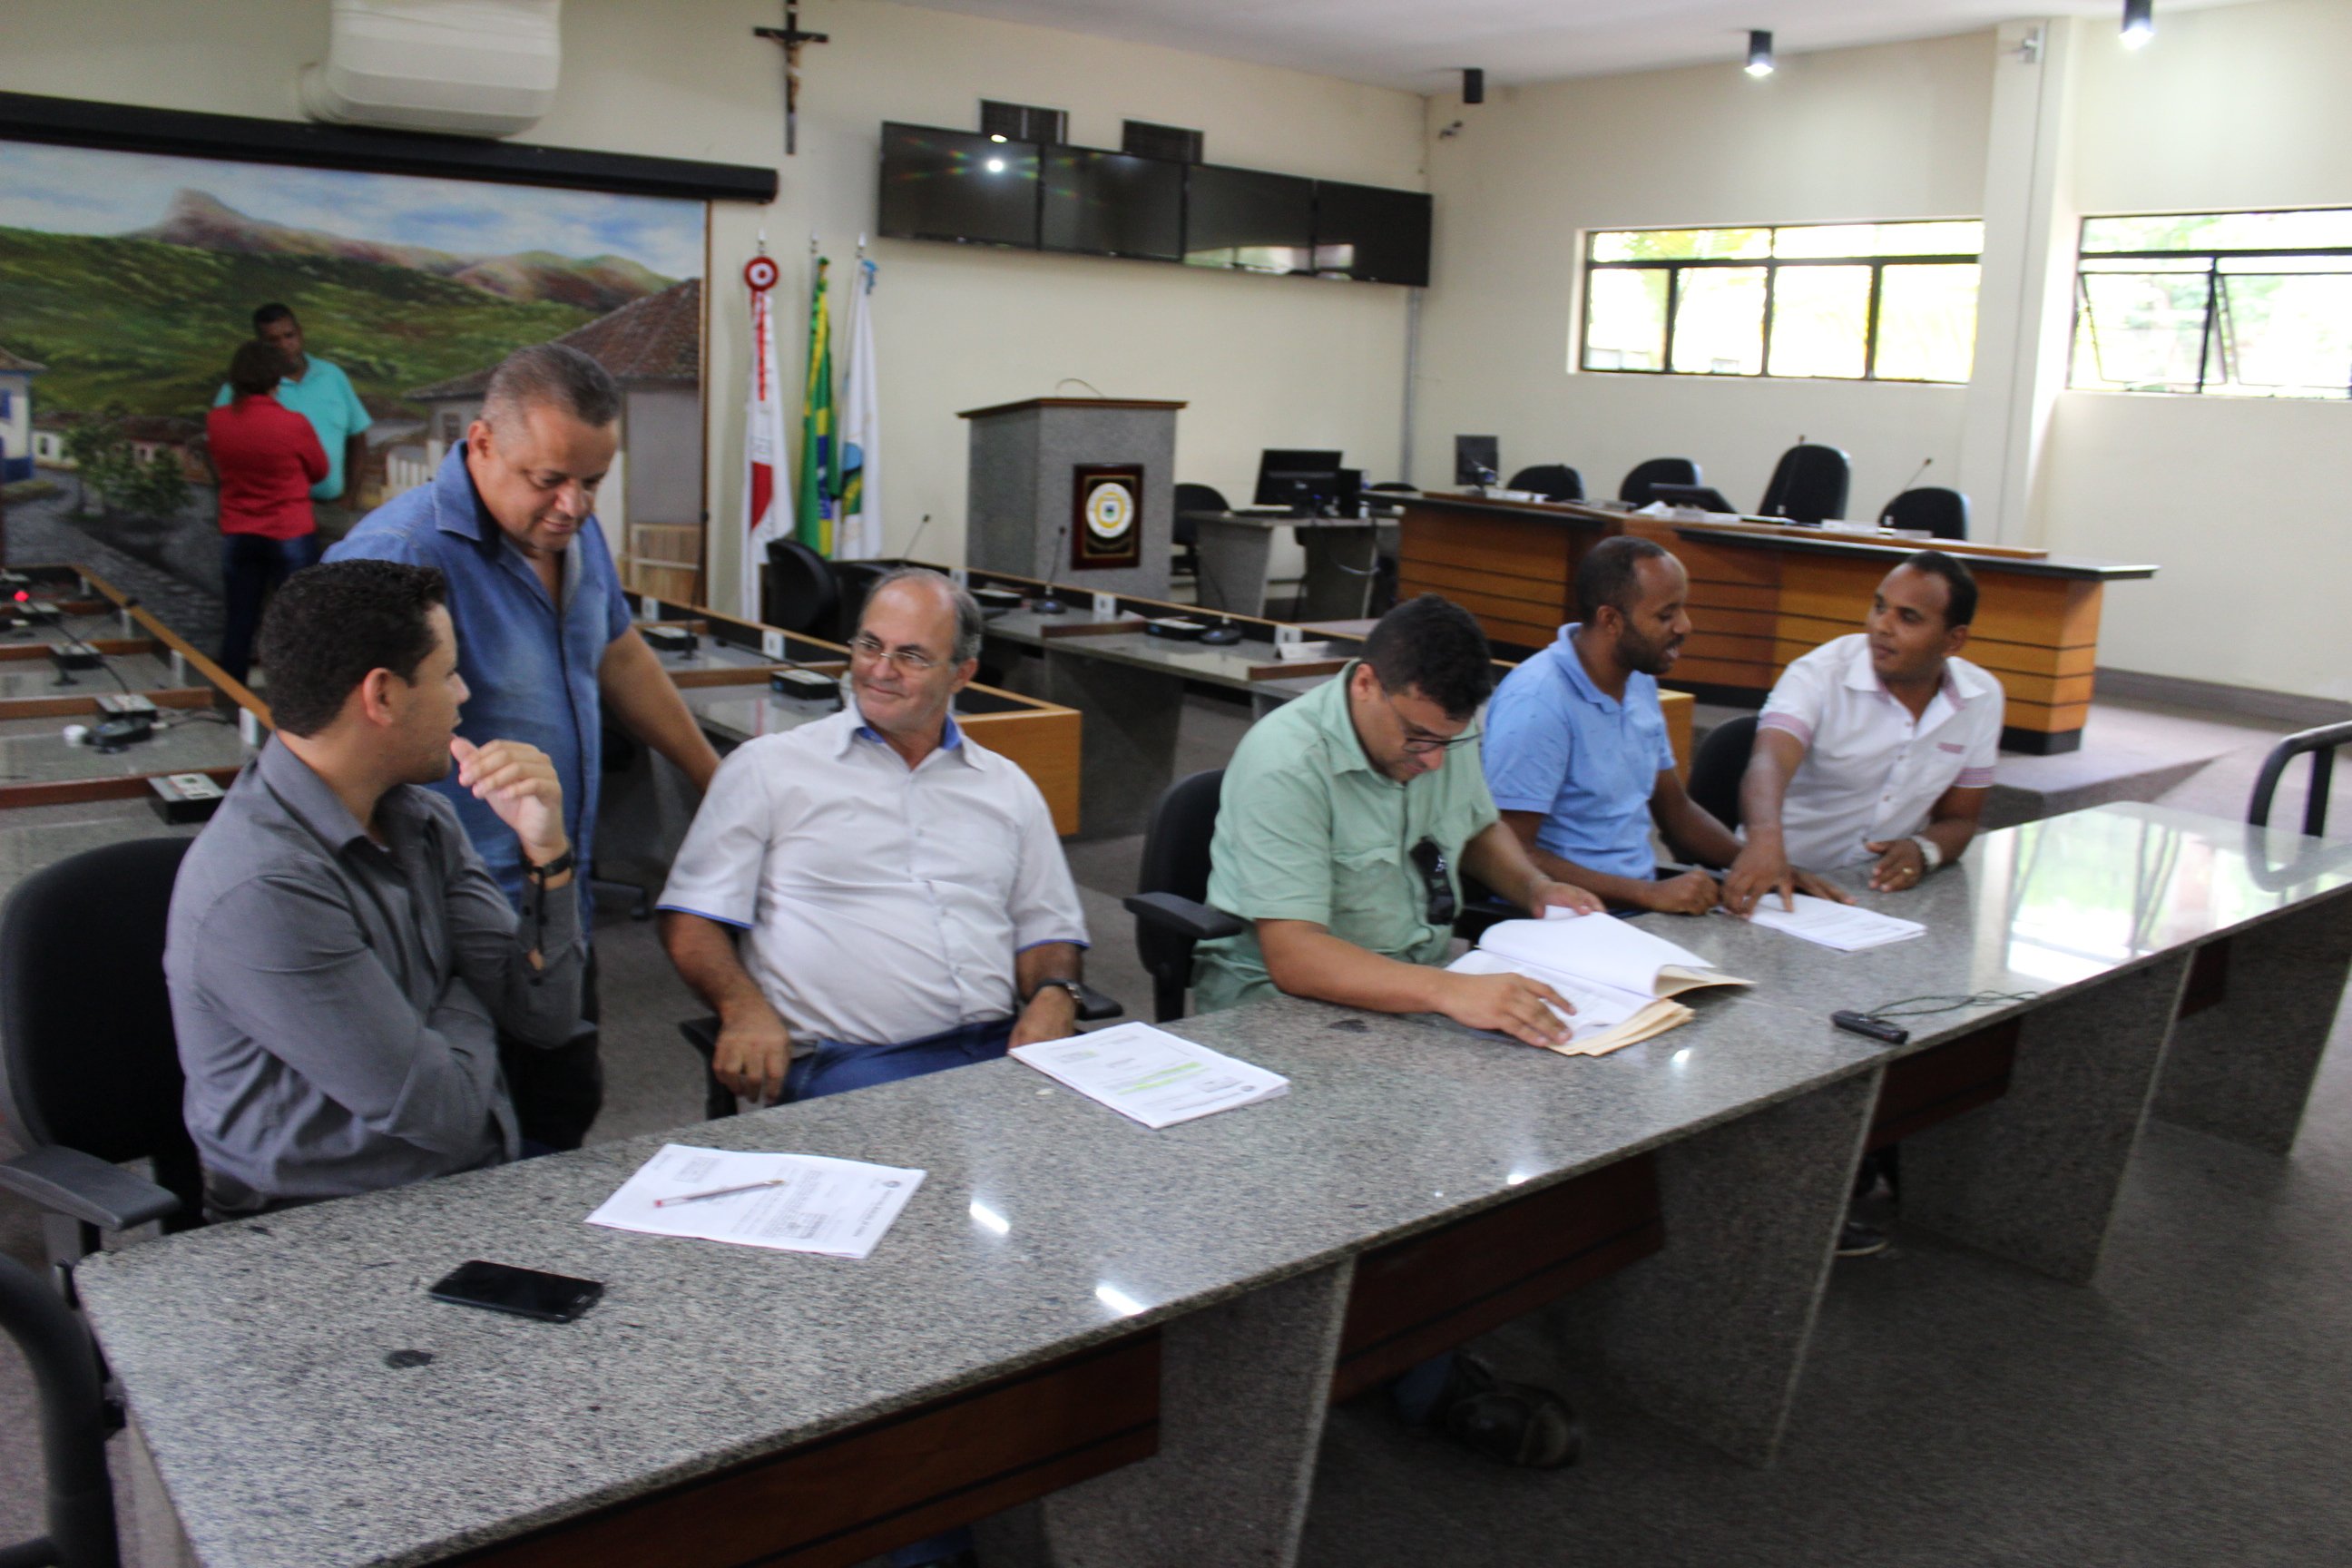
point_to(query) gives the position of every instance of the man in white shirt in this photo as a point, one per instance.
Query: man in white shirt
(904, 903)
(1874, 749)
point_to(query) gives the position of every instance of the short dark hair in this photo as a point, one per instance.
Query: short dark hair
(1434, 645)
(1959, 583)
(273, 311)
(551, 375)
(254, 368)
(329, 625)
(1610, 574)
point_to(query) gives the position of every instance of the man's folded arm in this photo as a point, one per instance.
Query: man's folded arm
(533, 990)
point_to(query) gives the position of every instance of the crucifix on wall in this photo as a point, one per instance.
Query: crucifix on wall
(791, 37)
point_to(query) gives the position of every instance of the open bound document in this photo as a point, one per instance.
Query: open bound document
(1848, 928)
(793, 1203)
(1622, 980)
(1151, 1075)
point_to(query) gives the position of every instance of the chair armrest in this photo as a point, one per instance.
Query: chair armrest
(85, 1187)
(1182, 917)
(1093, 1006)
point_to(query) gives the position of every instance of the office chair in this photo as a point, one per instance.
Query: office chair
(1170, 917)
(1808, 484)
(1655, 471)
(1553, 481)
(90, 1068)
(75, 1422)
(801, 594)
(853, 581)
(1183, 532)
(1717, 770)
(2321, 745)
(1942, 512)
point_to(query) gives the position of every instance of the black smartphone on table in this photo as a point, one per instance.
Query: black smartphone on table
(526, 1292)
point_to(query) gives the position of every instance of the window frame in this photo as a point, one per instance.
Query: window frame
(1772, 265)
(2219, 324)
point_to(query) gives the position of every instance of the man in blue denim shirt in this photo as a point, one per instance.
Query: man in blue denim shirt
(543, 631)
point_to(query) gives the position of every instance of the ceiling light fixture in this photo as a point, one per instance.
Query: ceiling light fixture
(2139, 22)
(1474, 85)
(1759, 52)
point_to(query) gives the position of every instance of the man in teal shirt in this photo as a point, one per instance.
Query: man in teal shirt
(318, 391)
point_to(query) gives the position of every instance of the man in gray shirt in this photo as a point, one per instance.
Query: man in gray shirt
(340, 960)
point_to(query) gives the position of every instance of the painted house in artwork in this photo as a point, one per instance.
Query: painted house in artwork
(16, 374)
(652, 347)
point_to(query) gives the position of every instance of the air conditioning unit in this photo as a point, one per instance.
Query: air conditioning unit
(463, 67)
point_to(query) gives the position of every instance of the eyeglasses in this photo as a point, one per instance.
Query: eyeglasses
(1429, 860)
(913, 660)
(1419, 741)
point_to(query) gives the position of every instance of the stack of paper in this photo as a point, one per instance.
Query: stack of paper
(1151, 1075)
(793, 1203)
(1620, 978)
(1848, 928)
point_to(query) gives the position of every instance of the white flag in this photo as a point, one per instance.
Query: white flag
(858, 535)
(767, 494)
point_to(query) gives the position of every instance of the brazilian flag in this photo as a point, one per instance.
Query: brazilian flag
(816, 510)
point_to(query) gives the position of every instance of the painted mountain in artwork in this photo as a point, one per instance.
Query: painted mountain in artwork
(598, 283)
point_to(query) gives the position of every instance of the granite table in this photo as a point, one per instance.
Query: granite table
(39, 767)
(1236, 549)
(1117, 1345)
(33, 838)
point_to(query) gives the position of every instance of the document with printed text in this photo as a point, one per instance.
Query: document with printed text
(1848, 928)
(1620, 979)
(793, 1203)
(1151, 1075)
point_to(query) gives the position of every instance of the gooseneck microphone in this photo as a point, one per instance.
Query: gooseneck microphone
(908, 554)
(1048, 604)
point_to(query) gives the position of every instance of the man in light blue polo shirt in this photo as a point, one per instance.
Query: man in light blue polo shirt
(318, 391)
(1577, 756)
(543, 635)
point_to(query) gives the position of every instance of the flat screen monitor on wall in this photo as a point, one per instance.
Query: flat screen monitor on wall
(1371, 235)
(954, 184)
(1108, 204)
(1247, 219)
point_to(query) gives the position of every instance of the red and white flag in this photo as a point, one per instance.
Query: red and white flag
(767, 497)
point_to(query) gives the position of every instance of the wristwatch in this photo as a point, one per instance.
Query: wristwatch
(1929, 851)
(553, 869)
(1077, 992)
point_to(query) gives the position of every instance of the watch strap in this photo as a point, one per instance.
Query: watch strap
(1929, 850)
(553, 869)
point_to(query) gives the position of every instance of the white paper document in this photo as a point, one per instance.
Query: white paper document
(1151, 1075)
(801, 1202)
(1600, 1007)
(1600, 948)
(1848, 928)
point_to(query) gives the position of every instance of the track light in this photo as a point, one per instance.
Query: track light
(2139, 22)
(1759, 51)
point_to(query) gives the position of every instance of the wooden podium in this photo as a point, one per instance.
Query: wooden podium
(1078, 490)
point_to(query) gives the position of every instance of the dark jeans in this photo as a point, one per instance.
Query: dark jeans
(557, 1093)
(250, 567)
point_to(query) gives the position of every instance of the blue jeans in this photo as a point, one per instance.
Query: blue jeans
(836, 1068)
(251, 566)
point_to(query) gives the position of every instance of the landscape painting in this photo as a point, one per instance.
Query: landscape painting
(127, 281)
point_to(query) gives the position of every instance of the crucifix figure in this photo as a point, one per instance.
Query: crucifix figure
(791, 37)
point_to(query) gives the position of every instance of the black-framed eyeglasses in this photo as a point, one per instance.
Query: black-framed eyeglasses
(1429, 860)
(1419, 741)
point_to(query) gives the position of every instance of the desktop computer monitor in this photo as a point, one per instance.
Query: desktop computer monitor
(1296, 480)
(1476, 459)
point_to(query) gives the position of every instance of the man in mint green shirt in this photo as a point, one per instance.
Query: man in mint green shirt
(1349, 816)
(318, 391)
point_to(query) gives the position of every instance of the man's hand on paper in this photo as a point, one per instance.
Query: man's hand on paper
(1546, 895)
(755, 1052)
(1900, 865)
(1512, 1004)
(1763, 869)
(1051, 1015)
(1693, 893)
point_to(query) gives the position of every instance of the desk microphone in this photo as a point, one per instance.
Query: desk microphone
(1050, 606)
(1925, 464)
(908, 554)
(1887, 511)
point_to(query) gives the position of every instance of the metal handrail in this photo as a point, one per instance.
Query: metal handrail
(2321, 744)
(74, 1427)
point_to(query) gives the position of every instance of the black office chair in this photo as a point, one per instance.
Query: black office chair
(1942, 512)
(1657, 471)
(1717, 768)
(75, 1422)
(1183, 532)
(2320, 745)
(801, 594)
(1553, 481)
(1808, 484)
(90, 1068)
(1169, 916)
(853, 581)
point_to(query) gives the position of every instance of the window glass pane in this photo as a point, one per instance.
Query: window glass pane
(1879, 239)
(1719, 321)
(1626, 320)
(2221, 231)
(2139, 331)
(1680, 244)
(2289, 335)
(2197, 264)
(2267, 264)
(1820, 318)
(1926, 322)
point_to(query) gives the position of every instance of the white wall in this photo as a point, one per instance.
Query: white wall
(1887, 132)
(1282, 362)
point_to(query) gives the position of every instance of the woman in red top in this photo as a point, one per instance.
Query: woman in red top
(267, 457)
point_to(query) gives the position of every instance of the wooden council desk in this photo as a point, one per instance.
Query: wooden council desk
(1764, 592)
